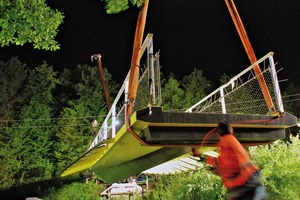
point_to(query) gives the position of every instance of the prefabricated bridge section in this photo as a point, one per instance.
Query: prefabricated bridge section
(163, 136)
(155, 136)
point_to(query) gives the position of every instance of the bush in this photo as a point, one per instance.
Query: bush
(200, 184)
(76, 191)
(280, 165)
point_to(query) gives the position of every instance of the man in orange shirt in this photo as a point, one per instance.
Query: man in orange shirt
(233, 165)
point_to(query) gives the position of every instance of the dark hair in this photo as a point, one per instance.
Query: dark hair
(224, 128)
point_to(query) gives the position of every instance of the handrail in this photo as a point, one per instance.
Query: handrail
(270, 54)
(110, 122)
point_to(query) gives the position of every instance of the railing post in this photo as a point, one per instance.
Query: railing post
(223, 100)
(157, 69)
(151, 79)
(113, 121)
(276, 85)
(104, 130)
(126, 92)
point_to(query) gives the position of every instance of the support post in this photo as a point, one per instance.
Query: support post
(223, 100)
(276, 85)
(113, 121)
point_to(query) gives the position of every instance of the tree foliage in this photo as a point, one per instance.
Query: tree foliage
(195, 85)
(117, 6)
(39, 138)
(291, 99)
(12, 83)
(172, 95)
(180, 95)
(74, 132)
(280, 164)
(26, 21)
(27, 153)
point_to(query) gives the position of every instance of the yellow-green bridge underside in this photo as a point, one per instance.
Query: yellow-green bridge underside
(162, 136)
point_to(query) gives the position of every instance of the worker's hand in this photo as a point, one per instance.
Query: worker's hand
(210, 168)
(211, 161)
(214, 170)
(195, 152)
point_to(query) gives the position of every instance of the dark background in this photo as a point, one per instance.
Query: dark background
(189, 34)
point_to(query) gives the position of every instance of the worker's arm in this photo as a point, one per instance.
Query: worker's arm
(212, 165)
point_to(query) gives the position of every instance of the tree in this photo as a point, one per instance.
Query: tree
(32, 144)
(291, 100)
(225, 78)
(173, 96)
(12, 80)
(74, 132)
(116, 6)
(23, 21)
(28, 21)
(196, 86)
(27, 156)
(185, 93)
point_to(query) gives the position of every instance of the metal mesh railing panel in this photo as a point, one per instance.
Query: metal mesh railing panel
(245, 98)
(243, 93)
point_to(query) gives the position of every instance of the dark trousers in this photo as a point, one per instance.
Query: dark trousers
(251, 190)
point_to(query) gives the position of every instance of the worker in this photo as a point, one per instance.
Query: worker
(233, 165)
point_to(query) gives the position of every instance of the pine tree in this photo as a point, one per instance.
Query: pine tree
(28, 150)
(74, 133)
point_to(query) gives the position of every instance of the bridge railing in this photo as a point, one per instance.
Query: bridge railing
(115, 118)
(242, 93)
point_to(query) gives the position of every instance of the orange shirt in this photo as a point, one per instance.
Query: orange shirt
(233, 164)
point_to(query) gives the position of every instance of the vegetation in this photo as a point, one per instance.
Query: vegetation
(279, 164)
(76, 191)
(45, 119)
(291, 99)
(180, 95)
(116, 6)
(23, 21)
(45, 124)
(199, 184)
(45, 116)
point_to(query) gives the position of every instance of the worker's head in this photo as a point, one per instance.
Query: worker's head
(224, 128)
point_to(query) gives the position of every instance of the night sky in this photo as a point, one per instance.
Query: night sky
(189, 34)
